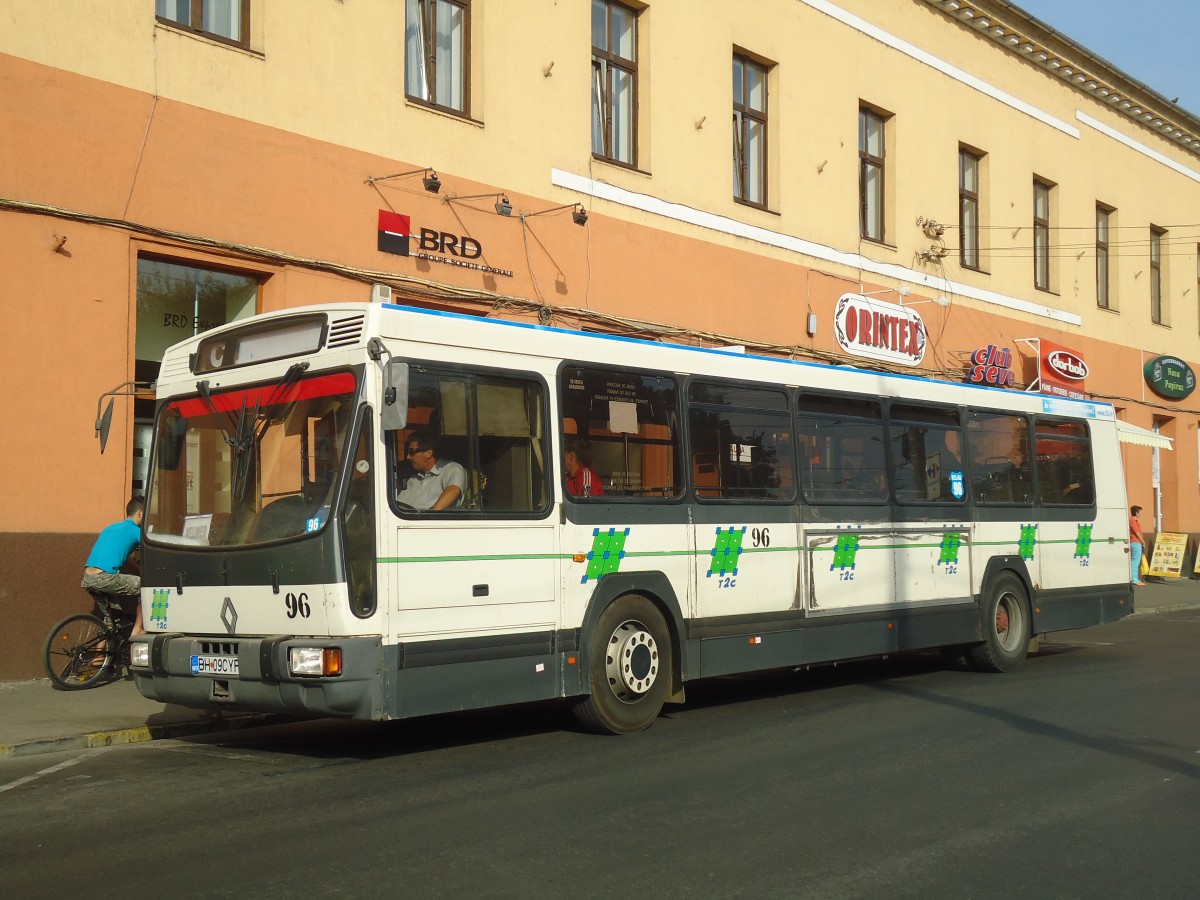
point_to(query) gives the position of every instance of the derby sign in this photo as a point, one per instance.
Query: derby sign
(878, 330)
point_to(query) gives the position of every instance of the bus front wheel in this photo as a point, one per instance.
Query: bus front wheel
(629, 667)
(1006, 627)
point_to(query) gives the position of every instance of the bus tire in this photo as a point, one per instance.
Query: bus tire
(629, 667)
(1006, 627)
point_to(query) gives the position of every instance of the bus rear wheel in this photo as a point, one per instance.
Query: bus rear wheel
(629, 668)
(1006, 627)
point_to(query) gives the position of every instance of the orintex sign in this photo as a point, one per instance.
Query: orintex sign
(1063, 371)
(878, 330)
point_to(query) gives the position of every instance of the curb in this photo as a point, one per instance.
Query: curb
(137, 735)
(1176, 607)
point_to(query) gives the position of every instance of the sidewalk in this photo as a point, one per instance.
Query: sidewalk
(35, 718)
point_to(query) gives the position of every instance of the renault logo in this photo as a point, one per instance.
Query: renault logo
(229, 616)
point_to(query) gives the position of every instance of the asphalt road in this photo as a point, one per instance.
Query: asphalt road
(1077, 776)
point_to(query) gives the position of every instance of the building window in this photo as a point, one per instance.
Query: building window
(870, 180)
(436, 51)
(1103, 271)
(225, 20)
(968, 208)
(749, 131)
(614, 82)
(176, 301)
(1157, 313)
(1041, 235)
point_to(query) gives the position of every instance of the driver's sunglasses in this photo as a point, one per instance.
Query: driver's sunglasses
(413, 451)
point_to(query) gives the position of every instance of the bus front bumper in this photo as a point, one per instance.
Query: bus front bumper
(254, 674)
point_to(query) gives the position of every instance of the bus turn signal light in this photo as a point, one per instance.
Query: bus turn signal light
(314, 661)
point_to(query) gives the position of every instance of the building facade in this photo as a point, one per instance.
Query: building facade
(942, 187)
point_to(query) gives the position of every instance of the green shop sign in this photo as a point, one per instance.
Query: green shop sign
(1170, 377)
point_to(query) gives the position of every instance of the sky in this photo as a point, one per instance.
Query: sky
(1154, 41)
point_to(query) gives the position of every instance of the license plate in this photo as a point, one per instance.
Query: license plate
(214, 665)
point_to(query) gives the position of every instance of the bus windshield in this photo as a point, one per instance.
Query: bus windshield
(249, 465)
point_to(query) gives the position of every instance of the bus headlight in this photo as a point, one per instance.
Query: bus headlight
(315, 661)
(139, 655)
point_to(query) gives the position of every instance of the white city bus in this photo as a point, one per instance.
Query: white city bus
(752, 513)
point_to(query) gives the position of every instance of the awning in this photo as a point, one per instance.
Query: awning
(1131, 434)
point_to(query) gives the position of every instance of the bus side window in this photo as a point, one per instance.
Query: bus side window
(841, 450)
(490, 423)
(1064, 463)
(741, 439)
(631, 421)
(1000, 458)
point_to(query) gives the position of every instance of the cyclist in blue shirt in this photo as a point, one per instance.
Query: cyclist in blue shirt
(115, 543)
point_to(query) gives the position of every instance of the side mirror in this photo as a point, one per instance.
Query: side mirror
(394, 414)
(103, 424)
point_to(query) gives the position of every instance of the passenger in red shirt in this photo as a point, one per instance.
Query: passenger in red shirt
(581, 480)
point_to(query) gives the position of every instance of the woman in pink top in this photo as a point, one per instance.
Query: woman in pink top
(1137, 544)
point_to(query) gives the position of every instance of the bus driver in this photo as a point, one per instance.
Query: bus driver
(438, 483)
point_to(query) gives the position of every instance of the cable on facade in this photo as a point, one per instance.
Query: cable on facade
(422, 290)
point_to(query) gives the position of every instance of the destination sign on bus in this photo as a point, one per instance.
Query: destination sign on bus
(275, 339)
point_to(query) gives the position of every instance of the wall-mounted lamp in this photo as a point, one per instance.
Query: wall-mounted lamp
(578, 214)
(904, 290)
(503, 204)
(940, 301)
(430, 178)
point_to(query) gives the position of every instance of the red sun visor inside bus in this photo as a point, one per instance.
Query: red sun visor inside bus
(340, 383)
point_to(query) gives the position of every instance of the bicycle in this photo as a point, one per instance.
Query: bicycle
(84, 650)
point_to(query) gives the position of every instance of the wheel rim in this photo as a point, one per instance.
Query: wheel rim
(631, 661)
(73, 654)
(1010, 622)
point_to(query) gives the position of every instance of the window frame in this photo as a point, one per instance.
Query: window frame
(472, 374)
(814, 406)
(975, 420)
(1104, 296)
(603, 60)
(744, 117)
(968, 198)
(1157, 298)
(195, 24)
(784, 413)
(1041, 468)
(869, 162)
(1042, 277)
(677, 441)
(427, 14)
(905, 415)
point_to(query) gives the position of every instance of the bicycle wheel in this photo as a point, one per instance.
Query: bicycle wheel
(74, 655)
